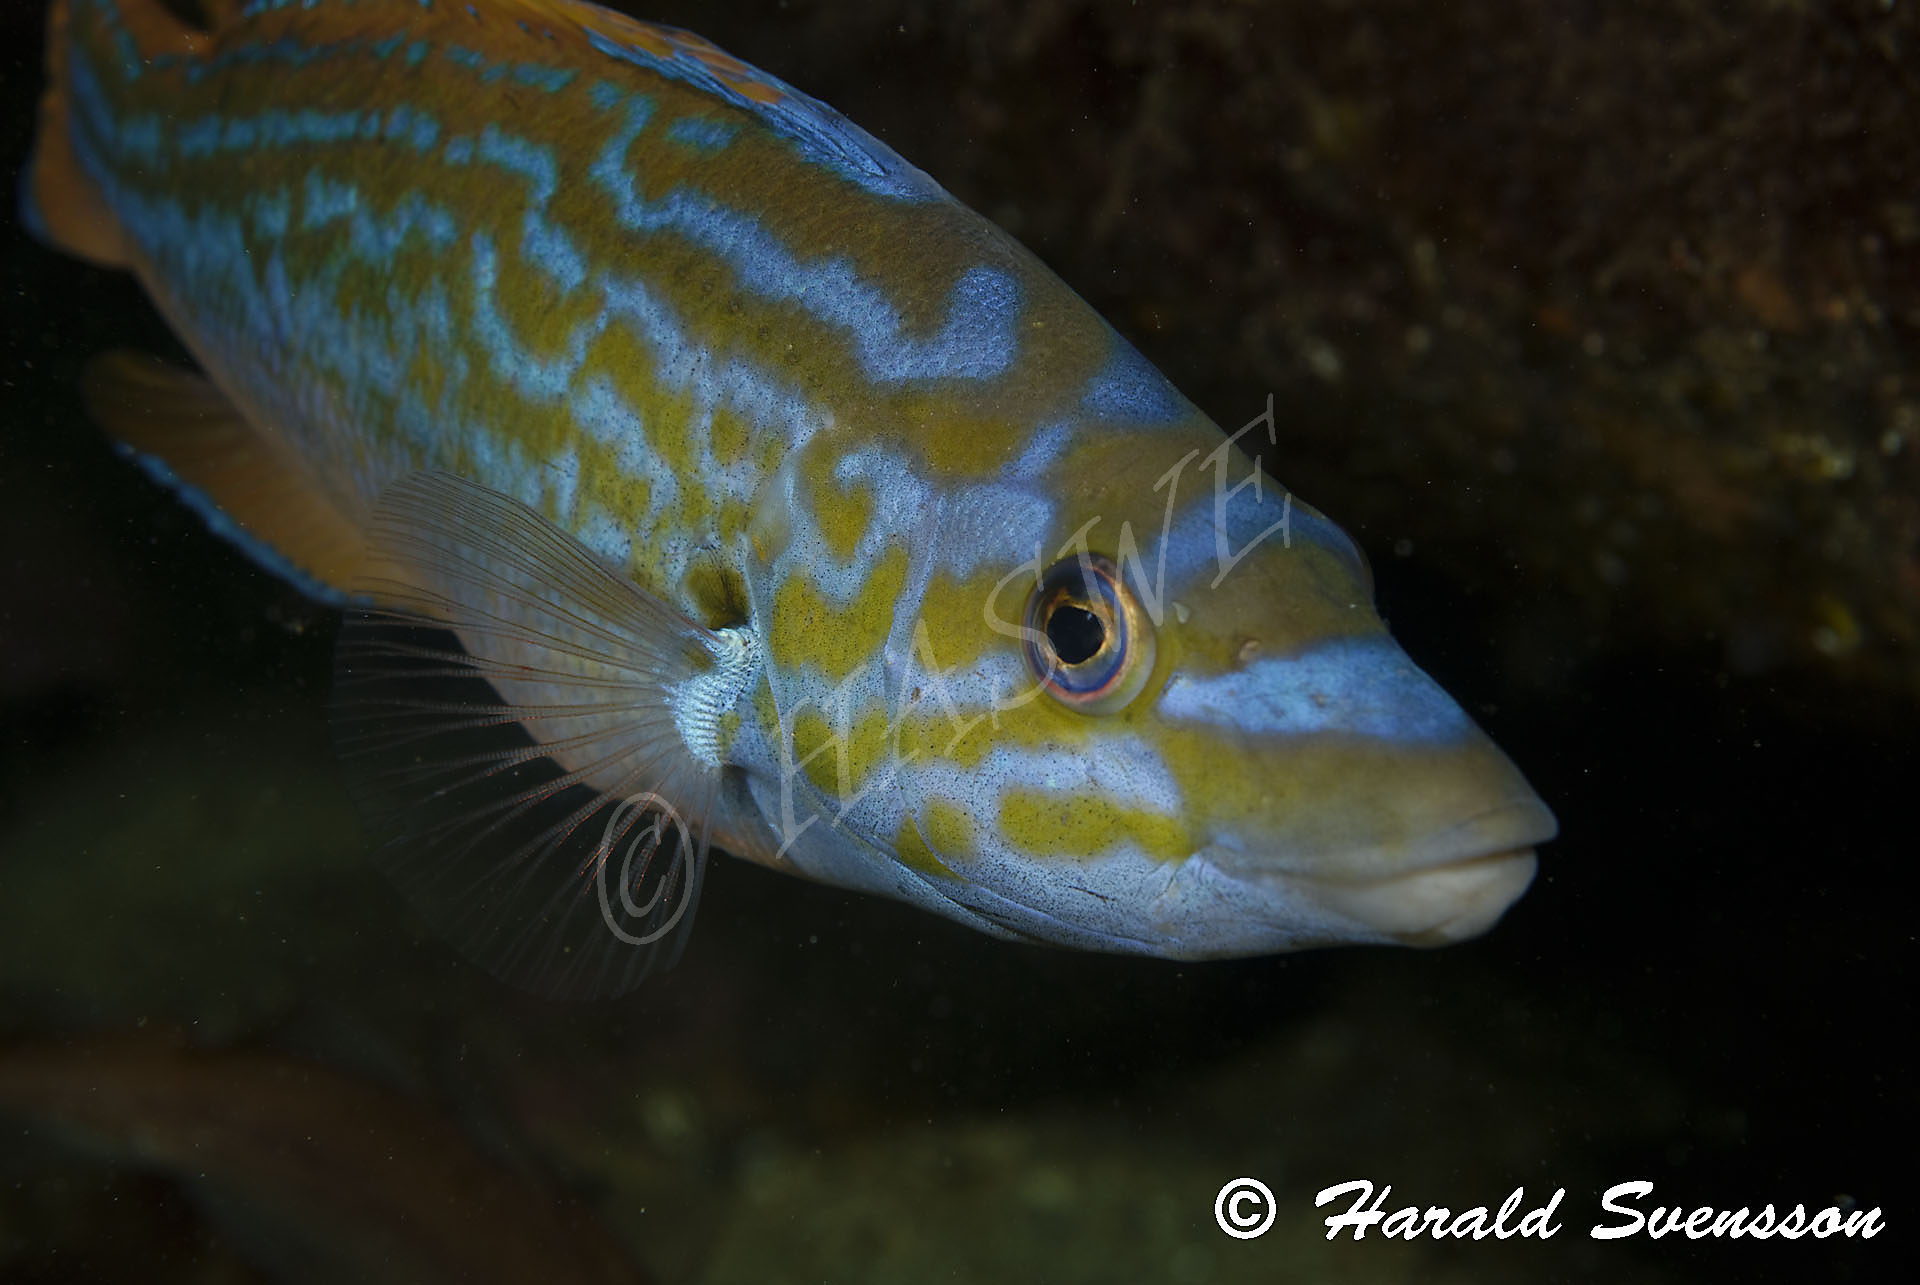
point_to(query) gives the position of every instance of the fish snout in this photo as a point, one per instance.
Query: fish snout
(1451, 884)
(1430, 905)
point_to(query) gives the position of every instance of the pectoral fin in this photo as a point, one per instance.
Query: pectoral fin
(186, 434)
(533, 737)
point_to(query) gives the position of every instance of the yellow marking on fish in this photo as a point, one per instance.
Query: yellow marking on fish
(809, 630)
(916, 855)
(961, 445)
(948, 827)
(1087, 825)
(954, 613)
(840, 759)
(843, 512)
(730, 441)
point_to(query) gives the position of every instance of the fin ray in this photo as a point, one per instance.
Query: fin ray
(505, 709)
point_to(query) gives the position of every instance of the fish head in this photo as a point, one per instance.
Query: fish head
(1137, 700)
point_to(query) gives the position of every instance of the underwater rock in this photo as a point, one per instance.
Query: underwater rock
(319, 1176)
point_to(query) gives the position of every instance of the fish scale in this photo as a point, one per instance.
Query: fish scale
(775, 382)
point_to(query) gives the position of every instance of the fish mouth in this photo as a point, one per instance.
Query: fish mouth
(1433, 905)
(1454, 885)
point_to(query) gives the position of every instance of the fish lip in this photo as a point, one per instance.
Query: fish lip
(1513, 826)
(1449, 884)
(1434, 903)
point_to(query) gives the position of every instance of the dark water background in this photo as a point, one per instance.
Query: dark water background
(228, 1052)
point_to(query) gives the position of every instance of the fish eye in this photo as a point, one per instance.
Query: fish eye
(1088, 641)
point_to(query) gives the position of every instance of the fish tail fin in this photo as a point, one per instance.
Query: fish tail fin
(60, 201)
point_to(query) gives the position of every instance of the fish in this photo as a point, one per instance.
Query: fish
(697, 475)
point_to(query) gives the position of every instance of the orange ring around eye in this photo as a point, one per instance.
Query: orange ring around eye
(1088, 640)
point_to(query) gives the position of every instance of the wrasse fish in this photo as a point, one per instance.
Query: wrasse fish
(698, 473)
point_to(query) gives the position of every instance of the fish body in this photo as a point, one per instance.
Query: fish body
(777, 500)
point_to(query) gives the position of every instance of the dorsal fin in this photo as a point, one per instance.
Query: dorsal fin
(187, 434)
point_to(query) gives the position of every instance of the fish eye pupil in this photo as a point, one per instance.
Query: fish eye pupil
(1076, 633)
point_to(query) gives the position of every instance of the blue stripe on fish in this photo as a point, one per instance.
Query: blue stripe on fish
(540, 76)
(545, 381)
(702, 133)
(1347, 686)
(1130, 390)
(541, 241)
